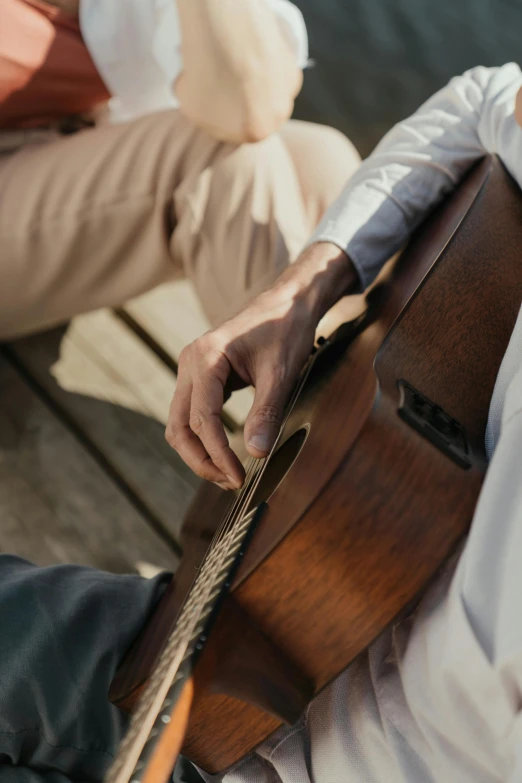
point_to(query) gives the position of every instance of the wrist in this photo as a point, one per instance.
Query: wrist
(321, 276)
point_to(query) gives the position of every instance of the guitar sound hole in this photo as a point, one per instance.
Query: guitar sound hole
(278, 467)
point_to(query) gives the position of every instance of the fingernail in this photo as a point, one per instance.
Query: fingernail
(235, 483)
(260, 442)
(221, 485)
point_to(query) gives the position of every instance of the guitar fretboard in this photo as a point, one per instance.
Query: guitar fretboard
(154, 708)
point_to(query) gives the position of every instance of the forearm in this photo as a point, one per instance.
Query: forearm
(240, 74)
(316, 281)
(417, 163)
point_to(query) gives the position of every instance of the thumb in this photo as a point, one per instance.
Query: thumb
(265, 418)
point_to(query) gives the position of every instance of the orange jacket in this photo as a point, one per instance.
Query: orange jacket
(46, 71)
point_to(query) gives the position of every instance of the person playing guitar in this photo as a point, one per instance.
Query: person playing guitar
(437, 696)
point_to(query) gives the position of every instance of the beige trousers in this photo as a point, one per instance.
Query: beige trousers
(92, 219)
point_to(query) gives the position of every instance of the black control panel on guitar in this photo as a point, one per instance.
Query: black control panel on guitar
(431, 421)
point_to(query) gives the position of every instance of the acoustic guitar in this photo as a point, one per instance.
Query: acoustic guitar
(370, 487)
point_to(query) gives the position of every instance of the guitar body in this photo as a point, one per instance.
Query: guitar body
(373, 487)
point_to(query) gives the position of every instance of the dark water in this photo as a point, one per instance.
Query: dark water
(377, 60)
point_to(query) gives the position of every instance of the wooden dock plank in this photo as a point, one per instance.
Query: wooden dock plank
(117, 394)
(57, 505)
(172, 316)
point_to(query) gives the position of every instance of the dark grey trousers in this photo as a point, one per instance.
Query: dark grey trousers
(63, 631)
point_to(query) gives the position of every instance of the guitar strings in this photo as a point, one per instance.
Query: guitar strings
(143, 728)
(193, 608)
(147, 720)
(205, 582)
(259, 463)
(262, 463)
(249, 472)
(246, 493)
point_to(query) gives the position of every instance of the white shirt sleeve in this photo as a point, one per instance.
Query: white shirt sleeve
(419, 161)
(136, 47)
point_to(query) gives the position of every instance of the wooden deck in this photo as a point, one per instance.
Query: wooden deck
(85, 473)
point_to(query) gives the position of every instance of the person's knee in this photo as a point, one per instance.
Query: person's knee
(330, 147)
(248, 208)
(249, 164)
(64, 630)
(324, 160)
(341, 149)
(251, 186)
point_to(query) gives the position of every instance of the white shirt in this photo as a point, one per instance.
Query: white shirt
(136, 47)
(437, 698)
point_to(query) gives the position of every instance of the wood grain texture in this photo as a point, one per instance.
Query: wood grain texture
(57, 505)
(172, 315)
(371, 509)
(117, 393)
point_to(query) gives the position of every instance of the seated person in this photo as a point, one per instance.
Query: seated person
(174, 185)
(436, 697)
